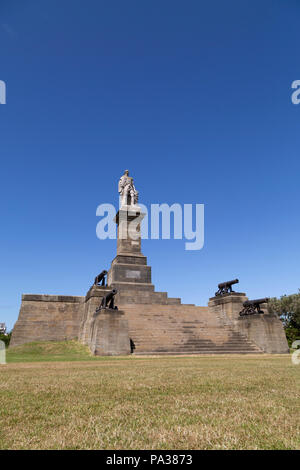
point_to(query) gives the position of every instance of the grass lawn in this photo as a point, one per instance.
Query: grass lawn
(74, 401)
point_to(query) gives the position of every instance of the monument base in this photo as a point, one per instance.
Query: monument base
(109, 333)
(228, 306)
(266, 331)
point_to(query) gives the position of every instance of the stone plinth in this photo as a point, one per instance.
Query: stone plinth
(129, 269)
(128, 220)
(266, 331)
(93, 300)
(105, 332)
(109, 333)
(228, 306)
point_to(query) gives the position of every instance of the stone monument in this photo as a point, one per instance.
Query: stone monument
(146, 321)
(129, 271)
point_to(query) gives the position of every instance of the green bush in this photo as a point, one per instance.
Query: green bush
(5, 339)
(288, 310)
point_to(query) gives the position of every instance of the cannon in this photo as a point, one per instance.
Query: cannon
(253, 306)
(100, 279)
(226, 287)
(108, 301)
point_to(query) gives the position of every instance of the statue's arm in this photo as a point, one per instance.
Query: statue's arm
(120, 186)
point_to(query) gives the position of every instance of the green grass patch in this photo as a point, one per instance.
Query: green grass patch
(50, 351)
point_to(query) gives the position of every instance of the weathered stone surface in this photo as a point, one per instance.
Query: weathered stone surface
(130, 265)
(92, 302)
(266, 331)
(47, 318)
(137, 258)
(128, 232)
(183, 329)
(228, 305)
(129, 273)
(104, 331)
(155, 323)
(109, 333)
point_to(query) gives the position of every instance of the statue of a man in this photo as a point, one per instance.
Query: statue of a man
(128, 194)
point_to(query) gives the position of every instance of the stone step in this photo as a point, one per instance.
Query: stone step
(185, 339)
(200, 344)
(198, 351)
(189, 341)
(195, 344)
(183, 329)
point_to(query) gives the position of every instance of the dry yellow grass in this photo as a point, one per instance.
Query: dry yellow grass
(220, 402)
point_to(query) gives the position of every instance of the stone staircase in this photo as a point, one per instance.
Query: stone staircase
(183, 329)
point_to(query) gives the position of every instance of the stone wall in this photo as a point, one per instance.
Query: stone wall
(266, 331)
(48, 318)
(156, 324)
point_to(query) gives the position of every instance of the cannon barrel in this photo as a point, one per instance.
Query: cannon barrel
(108, 301)
(227, 283)
(100, 277)
(248, 303)
(110, 295)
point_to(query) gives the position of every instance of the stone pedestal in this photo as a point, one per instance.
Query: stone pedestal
(128, 220)
(109, 333)
(105, 332)
(93, 300)
(227, 306)
(129, 270)
(266, 331)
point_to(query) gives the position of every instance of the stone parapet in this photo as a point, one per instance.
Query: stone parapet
(47, 318)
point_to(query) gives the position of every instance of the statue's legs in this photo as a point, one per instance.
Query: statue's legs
(132, 197)
(129, 196)
(125, 195)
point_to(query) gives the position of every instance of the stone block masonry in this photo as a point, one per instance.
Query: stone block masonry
(109, 333)
(47, 318)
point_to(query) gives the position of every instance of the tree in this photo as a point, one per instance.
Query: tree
(5, 338)
(288, 309)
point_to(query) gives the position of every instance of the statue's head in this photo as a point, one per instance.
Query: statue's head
(126, 172)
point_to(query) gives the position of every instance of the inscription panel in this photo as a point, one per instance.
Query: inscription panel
(133, 274)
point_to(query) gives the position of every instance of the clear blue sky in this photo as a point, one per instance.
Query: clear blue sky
(194, 98)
